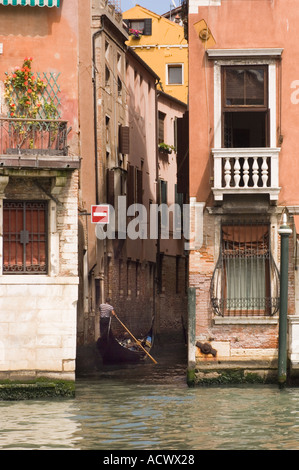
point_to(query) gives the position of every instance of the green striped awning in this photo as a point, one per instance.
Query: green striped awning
(31, 3)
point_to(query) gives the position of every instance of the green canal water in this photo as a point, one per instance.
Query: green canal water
(150, 407)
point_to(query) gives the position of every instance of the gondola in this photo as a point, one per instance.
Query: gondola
(119, 351)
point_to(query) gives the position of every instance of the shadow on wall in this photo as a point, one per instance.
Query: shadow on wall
(19, 21)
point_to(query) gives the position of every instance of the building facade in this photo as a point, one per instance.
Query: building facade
(243, 85)
(40, 154)
(121, 260)
(161, 43)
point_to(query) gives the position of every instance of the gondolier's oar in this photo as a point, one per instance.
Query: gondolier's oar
(138, 342)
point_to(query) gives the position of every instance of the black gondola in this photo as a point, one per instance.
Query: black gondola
(116, 351)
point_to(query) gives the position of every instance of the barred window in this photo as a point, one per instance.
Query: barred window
(25, 237)
(245, 281)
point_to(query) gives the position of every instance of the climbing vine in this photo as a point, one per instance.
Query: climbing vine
(24, 94)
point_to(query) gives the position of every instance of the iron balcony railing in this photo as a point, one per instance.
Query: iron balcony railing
(23, 136)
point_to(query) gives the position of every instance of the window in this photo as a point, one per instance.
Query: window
(245, 106)
(144, 26)
(25, 237)
(107, 76)
(119, 86)
(266, 59)
(161, 127)
(174, 74)
(245, 281)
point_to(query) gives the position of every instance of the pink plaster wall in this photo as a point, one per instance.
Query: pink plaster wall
(245, 24)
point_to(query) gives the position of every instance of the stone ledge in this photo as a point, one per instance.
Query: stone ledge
(245, 320)
(11, 391)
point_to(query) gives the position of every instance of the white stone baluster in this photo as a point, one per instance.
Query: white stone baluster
(237, 172)
(246, 172)
(265, 172)
(255, 172)
(227, 172)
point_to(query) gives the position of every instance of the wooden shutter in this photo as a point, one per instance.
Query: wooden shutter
(124, 139)
(130, 185)
(139, 186)
(183, 154)
(147, 27)
(161, 119)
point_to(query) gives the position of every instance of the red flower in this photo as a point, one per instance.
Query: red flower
(12, 114)
(29, 90)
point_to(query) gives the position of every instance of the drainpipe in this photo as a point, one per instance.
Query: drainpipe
(99, 276)
(284, 232)
(95, 114)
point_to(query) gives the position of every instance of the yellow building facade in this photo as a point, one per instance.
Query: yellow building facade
(162, 45)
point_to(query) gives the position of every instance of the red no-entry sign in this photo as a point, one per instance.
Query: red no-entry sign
(100, 214)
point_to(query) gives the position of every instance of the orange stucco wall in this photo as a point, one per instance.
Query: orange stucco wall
(55, 38)
(245, 24)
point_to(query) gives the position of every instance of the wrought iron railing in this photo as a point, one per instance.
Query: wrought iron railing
(33, 136)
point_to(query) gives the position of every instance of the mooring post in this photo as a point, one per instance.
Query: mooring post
(191, 336)
(284, 232)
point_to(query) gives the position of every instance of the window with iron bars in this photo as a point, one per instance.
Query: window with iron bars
(245, 281)
(25, 237)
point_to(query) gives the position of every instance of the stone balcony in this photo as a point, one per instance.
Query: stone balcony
(35, 143)
(249, 171)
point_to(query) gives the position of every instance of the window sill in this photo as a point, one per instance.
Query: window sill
(246, 320)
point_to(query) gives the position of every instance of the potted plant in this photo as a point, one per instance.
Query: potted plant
(165, 148)
(135, 33)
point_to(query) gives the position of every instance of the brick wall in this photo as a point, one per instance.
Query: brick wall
(243, 336)
(132, 287)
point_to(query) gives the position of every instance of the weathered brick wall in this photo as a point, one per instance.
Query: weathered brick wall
(132, 288)
(250, 336)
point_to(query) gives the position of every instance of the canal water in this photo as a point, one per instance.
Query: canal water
(150, 407)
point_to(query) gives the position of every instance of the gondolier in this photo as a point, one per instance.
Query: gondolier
(106, 312)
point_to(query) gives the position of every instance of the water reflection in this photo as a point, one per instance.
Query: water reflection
(152, 408)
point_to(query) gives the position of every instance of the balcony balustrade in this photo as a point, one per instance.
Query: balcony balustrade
(26, 142)
(33, 136)
(246, 171)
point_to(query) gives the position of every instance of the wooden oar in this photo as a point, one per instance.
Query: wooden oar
(138, 342)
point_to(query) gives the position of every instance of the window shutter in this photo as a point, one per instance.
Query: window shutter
(139, 186)
(183, 153)
(124, 139)
(147, 27)
(161, 120)
(163, 192)
(130, 185)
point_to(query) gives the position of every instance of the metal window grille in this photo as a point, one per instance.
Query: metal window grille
(246, 279)
(25, 237)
